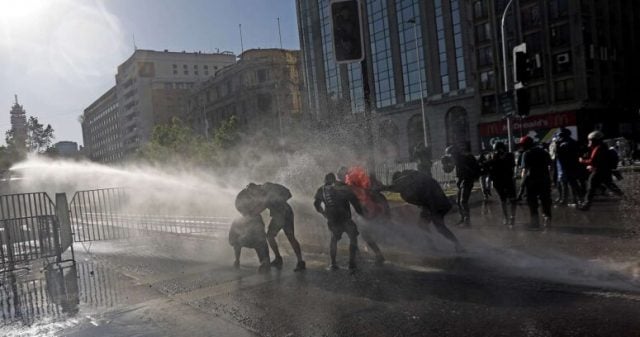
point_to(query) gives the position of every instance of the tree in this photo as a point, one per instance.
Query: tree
(39, 138)
(227, 135)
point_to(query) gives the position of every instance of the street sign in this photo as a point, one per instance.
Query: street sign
(507, 105)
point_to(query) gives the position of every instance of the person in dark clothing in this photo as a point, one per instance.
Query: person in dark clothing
(537, 177)
(423, 191)
(337, 201)
(600, 165)
(248, 231)
(485, 178)
(281, 219)
(567, 158)
(467, 172)
(422, 154)
(500, 167)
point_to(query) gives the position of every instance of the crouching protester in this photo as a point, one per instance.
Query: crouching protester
(337, 201)
(248, 230)
(423, 191)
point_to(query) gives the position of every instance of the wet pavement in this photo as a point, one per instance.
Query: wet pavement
(581, 277)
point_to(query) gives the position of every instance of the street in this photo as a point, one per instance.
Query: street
(581, 277)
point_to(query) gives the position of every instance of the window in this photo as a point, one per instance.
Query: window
(381, 50)
(531, 17)
(558, 9)
(442, 47)
(413, 61)
(175, 66)
(537, 95)
(487, 80)
(457, 43)
(195, 72)
(562, 63)
(564, 90)
(485, 56)
(488, 104)
(560, 35)
(261, 75)
(186, 72)
(206, 72)
(483, 32)
(175, 72)
(206, 67)
(195, 66)
(184, 66)
(479, 9)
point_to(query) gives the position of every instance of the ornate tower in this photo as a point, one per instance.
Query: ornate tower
(19, 125)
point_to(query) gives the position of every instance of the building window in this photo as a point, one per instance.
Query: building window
(485, 56)
(558, 9)
(562, 63)
(184, 66)
(356, 90)
(483, 32)
(175, 66)
(560, 36)
(332, 72)
(488, 104)
(537, 95)
(487, 80)
(186, 72)
(531, 17)
(564, 90)
(195, 66)
(261, 75)
(175, 72)
(442, 47)
(381, 50)
(412, 66)
(479, 9)
(206, 73)
(206, 67)
(195, 72)
(457, 43)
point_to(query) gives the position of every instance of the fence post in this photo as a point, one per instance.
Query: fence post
(6, 238)
(62, 228)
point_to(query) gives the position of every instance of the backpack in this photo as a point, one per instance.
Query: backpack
(276, 192)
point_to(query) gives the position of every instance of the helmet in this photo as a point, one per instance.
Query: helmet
(525, 141)
(499, 146)
(451, 150)
(564, 132)
(448, 164)
(330, 178)
(342, 173)
(596, 135)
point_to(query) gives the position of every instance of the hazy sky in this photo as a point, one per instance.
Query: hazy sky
(59, 56)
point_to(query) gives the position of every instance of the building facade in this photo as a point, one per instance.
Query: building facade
(151, 87)
(582, 65)
(582, 54)
(262, 90)
(66, 148)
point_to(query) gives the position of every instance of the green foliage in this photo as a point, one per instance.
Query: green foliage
(39, 137)
(227, 135)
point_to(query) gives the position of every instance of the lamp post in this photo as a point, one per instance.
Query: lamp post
(425, 131)
(504, 70)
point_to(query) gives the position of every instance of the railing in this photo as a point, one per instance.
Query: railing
(384, 172)
(117, 213)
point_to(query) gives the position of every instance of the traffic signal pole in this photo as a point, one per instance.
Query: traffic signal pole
(504, 70)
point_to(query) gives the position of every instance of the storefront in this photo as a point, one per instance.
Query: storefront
(539, 127)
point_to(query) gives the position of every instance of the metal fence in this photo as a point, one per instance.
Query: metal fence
(29, 229)
(385, 171)
(118, 213)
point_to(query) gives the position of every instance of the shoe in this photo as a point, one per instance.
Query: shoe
(333, 267)
(584, 206)
(264, 268)
(546, 221)
(352, 266)
(300, 266)
(379, 261)
(277, 262)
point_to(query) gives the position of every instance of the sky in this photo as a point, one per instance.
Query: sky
(59, 56)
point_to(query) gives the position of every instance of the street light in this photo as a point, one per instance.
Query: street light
(504, 70)
(424, 116)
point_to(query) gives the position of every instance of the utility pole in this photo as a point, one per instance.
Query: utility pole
(504, 70)
(425, 130)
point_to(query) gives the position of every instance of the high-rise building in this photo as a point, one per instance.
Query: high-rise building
(583, 56)
(262, 91)
(19, 125)
(151, 87)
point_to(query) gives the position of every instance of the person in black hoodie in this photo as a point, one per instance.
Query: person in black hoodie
(467, 172)
(567, 157)
(501, 167)
(423, 191)
(536, 174)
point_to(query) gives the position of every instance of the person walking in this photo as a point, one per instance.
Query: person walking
(600, 166)
(467, 172)
(500, 166)
(536, 175)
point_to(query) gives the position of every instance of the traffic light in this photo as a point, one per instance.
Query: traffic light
(522, 101)
(347, 33)
(521, 66)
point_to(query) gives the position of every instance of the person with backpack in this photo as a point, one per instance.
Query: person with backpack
(567, 157)
(334, 202)
(536, 174)
(281, 219)
(422, 190)
(600, 165)
(467, 172)
(248, 230)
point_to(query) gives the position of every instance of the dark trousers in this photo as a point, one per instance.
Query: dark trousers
(601, 178)
(437, 219)
(570, 182)
(538, 191)
(506, 190)
(465, 185)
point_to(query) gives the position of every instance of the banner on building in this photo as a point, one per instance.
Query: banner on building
(539, 127)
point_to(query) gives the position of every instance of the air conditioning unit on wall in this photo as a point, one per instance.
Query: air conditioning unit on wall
(563, 58)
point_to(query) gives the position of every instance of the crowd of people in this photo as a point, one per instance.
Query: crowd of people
(578, 177)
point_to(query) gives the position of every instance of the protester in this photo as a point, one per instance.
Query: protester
(536, 164)
(467, 172)
(567, 156)
(248, 230)
(600, 165)
(500, 167)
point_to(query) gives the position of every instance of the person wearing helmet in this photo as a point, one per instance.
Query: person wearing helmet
(334, 202)
(501, 167)
(567, 161)
(536, 174)
(600, 167)
(467, 172)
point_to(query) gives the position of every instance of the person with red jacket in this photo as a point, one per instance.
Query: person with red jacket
(600, 167)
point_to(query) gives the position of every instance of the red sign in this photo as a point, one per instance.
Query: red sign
(548, 121)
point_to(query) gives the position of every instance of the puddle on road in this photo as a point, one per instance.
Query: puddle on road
(41, 303)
